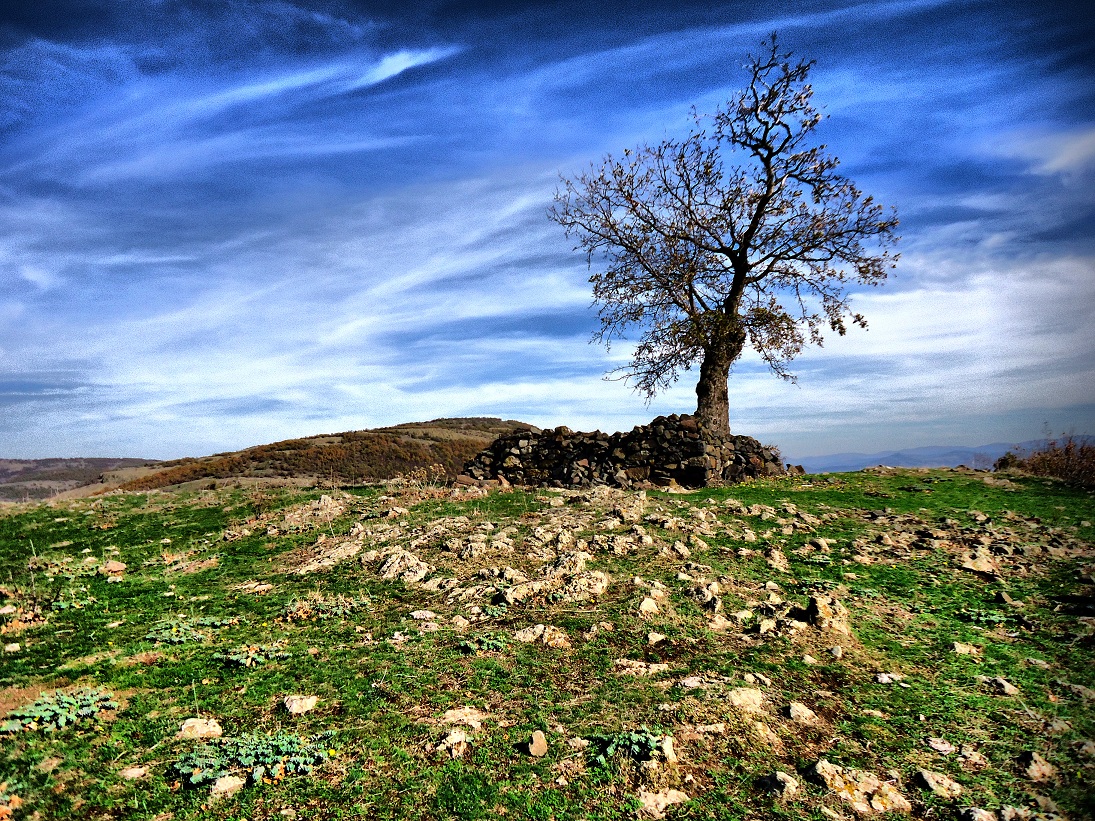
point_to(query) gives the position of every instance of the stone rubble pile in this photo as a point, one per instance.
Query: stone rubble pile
(671, 449)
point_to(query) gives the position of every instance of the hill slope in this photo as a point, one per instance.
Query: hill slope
(23, 479)
(342, 458)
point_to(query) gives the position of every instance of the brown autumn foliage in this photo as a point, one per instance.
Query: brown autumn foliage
(1071, 459)
(344, 458)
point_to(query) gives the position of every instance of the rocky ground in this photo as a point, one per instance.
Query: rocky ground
(897, 642)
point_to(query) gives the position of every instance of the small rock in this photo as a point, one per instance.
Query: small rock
(455, 743)
(654, 639)
(939, 784)
(529, 635)
(1001, 685)
(668, 752)
(972, 761)
(779, 782)
(1057, 726)
(746, 699)
(976, 814)
(468, 716)
(112, 568)
(200, 728)
(827, 613)
(12, 647)
(800, 713)
(648, 606)
(1086, 693)
(1037, 768)
(423, 615)
(966, 649)
(941, 745)
(654, 804)
(808, 659)
(1033, 662)
(864, 791)
(889, 678)
(639, 668)
(460, 623)
(133, 773)
(298, 705)
(226, 785)
(836, 652)
(538, 746)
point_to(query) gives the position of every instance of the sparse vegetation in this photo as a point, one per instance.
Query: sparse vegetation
(58, 710)
(264, 758)
(1069, 458)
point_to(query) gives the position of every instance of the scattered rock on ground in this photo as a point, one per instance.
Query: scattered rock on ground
(977, 814)
(200, 728)
(746, 699)
(654, 804)
(226, 785)
(544, 634)
(298, 705)
(468, 716)
(827, 613)
(779, 782)
(800, 713)
(939, 784)
(863, 791)
(941, 745)
(538, 746)
(1037, 768)
(1000, 685)
(639, 668)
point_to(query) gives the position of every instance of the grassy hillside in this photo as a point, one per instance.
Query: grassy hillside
(343, 458)
(553, 654)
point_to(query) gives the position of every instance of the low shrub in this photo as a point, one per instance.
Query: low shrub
(1071, 459)
(58, 710)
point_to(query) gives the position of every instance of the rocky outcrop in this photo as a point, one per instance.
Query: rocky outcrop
(670, 449)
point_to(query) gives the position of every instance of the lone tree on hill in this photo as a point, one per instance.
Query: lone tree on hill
(741, 231)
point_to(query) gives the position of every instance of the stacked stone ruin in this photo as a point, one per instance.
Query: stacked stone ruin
(671, 449)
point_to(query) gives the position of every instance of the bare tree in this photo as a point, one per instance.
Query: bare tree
(740, 232)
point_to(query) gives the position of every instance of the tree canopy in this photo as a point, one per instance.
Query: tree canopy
(740, 232)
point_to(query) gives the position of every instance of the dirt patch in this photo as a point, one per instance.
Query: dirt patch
(12, 698)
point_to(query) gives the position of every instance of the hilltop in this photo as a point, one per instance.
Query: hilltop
(886, 643)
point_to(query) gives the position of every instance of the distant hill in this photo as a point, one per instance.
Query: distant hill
(354, 456)
(32, 479)
(923, 457)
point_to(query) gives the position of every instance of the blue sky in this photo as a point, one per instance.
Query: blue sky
(227, 223)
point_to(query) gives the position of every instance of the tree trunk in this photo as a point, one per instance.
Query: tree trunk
(713, 406)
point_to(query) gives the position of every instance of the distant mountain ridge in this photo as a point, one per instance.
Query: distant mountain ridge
(921, 457)
(41, 478)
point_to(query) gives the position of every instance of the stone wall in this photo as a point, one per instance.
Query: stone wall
(669, 449)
